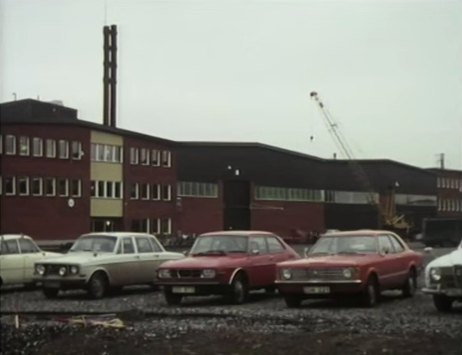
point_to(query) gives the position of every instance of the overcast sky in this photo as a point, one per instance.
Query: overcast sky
(390, 72)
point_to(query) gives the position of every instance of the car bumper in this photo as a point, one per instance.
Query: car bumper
(62, 283)
(450, 292)
(319, 289)
(195, 289)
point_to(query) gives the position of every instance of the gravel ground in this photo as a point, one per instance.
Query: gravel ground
(207, 326)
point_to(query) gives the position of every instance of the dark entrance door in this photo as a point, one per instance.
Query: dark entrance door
(236, 194)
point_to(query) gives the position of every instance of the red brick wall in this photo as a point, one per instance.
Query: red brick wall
(47, 218)
(199, 215)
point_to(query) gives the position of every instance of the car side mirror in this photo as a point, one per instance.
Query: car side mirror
(255, 252)
(385, 251)
(306, 251)
(428, 250)
(185, 252)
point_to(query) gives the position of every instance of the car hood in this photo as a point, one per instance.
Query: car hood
(78, 258)
(49, 254)
(330, 261)
(453, 258)
(195, 262)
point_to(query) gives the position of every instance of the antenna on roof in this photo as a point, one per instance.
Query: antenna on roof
(15, 96)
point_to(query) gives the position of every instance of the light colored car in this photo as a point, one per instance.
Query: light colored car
(99, 262)
(18, 252)
(443, 279)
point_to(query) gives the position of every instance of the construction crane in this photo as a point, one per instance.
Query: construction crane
(388, 216)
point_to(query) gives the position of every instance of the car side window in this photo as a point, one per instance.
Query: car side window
(258, 244)
(274, 245)
(12, 246)
(127, 246)
(385, 245)
(143, 245)
(397, 244)
(27, 246)
(155, 245)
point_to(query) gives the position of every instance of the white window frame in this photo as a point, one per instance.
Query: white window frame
(166, 163)
(155, 153)
(53, 181)
(145, 152)
(37, 151)
(158, 189)
(10, 140)
(66, 192)
(169, 226)
(24, 142)
(134, 156)
(63, 153)
(79, 188)
(78, 145)
(13, 184)
(26, 180)
(40, 180)
(169, 192)
(50, 146)
(137, 191)
(147, 195)
(155, 222)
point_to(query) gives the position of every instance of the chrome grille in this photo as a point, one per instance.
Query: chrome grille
(317, 274)
(52, 270)
(451, 277)
(186, 274)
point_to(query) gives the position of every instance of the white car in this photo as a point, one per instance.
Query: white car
(18, 252)
(99, 262)
(443, 279)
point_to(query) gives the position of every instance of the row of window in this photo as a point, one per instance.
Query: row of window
(449, 183)
(38, 147)
(197, 189)
(450, 205)
(415, 200)
(144, 191)
(154, 157)
(287, 194)
(351, 197)
(106, 153)
(40, 186)
(106, 189)
(158, 226)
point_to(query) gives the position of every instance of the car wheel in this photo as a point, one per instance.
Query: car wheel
(292, 301)
(410, 286)
(172, 299)
(271, 289)
(370, 296)
(97, 286)
(50, 292)
(238, 291)
(442, 303)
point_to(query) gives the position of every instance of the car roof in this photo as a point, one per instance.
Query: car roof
(115, 234)
(243, 233)
(14, 236)
(359, 232)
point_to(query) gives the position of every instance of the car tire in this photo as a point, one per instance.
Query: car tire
(271, 290)
(238, 291)
(442, 303)
(292, 301)
(50, 292)
(172, 299)
(370, 295)
(410, 286)
(97, 286)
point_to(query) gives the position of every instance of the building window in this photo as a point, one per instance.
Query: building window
(144, 156)
(133, 156)
(134, 191)
(63, 149)
(1, 144)
(23, 186)
(166, 226)
(155, 226)
(51, 148)
(24, 145)
(50, 186)
(166, 158)
(10, 185)
(37, 147)
(144, 191)
(117, 189)
(300, 194)
(76, 188)
(63, 187)
(118, 154)
(76, 150)
(166, 192)
(156, 191)
(140, 225)
(155, 157)
(10, 145)
(37, 186)
(197, 189)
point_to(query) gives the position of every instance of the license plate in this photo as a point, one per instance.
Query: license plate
(316, 290)
(51, 284)
(183, 289)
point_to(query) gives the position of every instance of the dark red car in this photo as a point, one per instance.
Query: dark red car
(359, 263)
(229, 263)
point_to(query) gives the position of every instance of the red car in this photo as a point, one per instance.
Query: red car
(359, 263)
(229, 263)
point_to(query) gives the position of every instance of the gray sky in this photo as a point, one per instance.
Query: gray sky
(390, 72)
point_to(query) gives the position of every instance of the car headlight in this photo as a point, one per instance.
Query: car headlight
(40, 269)
(164, 274)
(62, 271)
(347, 273)
(286, 274)
(74, 270)
(208, 273)
(435, 274)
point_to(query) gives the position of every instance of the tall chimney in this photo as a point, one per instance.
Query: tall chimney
(110, 75)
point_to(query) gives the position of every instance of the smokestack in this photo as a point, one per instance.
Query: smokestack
(110, 75)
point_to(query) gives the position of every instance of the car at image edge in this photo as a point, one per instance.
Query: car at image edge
(100, 262)
(351, 263)
(228, 263)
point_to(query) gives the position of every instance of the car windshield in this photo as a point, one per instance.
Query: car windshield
(332, 245)
(95, 243)
(219, 245)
